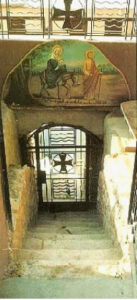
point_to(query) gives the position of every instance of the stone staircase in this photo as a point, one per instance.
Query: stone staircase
(70, 245)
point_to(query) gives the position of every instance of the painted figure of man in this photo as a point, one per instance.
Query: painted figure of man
(91, 75)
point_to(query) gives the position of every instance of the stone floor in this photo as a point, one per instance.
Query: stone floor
(68, 255)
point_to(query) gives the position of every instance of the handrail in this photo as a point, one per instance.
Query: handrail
(132, 216)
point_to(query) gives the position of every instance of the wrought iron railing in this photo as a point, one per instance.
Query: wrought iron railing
(68, 17)
(132, 217)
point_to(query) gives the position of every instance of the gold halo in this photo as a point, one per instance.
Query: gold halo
(89, 51)
(57, 46)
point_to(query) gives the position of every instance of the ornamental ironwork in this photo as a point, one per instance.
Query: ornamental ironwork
(64, 162)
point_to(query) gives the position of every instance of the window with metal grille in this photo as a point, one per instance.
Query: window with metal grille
(68, 17)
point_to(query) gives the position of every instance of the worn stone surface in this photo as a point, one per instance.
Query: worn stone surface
(53, 250)
(115, 181)
(33, 243)
(24, 201)
(12, 149)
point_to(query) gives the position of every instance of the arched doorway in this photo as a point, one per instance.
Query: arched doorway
(67, 162)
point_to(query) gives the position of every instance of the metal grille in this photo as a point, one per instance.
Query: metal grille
(20, 17)
(68, 17)
(59, 155)
(112, 18)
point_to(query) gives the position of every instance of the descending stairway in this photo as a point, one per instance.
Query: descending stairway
(69, 245)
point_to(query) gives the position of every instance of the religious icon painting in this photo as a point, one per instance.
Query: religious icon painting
(65, 73)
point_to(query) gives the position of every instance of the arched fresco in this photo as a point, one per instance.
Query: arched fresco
(65, 73)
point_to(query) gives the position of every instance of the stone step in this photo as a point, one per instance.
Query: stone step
(63, 256)
(31, 261)
(68, 230)
(35, 243)
(70, 222)
(73, 223)
(75, 269)
(70, 213)
(78, 244)
(67, 217)
(61, 236)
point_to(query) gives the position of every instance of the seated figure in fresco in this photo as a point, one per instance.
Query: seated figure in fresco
(91, 75)
(53, 73)
(57, 54)
(51, 76)
(56, 72)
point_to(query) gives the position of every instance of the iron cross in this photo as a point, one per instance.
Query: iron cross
(76, 14)
(67, 23)
(63, 162)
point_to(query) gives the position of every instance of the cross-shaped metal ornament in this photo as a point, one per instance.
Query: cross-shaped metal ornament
(63, 163)
(68, 14)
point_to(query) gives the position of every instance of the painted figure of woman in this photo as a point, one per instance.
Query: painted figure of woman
(91, 75)
(53, 73)
(57, 54)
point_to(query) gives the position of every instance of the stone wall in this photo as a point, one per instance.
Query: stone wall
(24, 202)
(22, 184)
(10, 137)
(115, 180)
(4, 251)
(31, 119)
